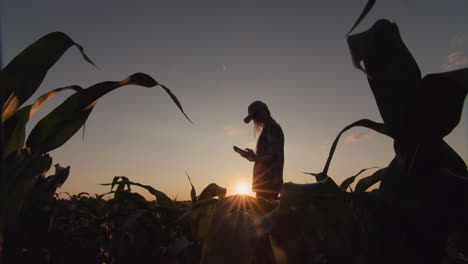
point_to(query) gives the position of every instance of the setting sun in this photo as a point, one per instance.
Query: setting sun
(242, 188)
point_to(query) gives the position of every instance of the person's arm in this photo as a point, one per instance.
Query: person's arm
(247, 153)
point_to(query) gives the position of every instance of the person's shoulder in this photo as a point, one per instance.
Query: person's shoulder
(275, 125)
(276, 128)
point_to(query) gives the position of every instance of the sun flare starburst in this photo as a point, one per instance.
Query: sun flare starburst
(242, 188)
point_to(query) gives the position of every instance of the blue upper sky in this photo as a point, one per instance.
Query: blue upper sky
(218, 56)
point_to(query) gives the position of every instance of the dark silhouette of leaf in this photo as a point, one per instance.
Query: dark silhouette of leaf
(459, 76)
(23, 75)
(368, 181)
(162, 199)
(64, 121)
(347, 183)
(13, 198)
(392, 72)
(367, 8)
(318, 176)
(193, 193)
(114, 182)
(176, 101)
(211, 191)
(437, 107)
(377, 127)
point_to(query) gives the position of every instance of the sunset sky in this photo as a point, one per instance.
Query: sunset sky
(219, 56)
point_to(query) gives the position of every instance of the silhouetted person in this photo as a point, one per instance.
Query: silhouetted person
(269, 155)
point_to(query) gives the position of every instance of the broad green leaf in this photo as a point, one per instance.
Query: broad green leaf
(15, 131)
(377, 127)
(367, 8)
(23, 75)
(193, 193)
(212, 190)
(367, 182)
(39, 102)
(347, 183)
(64, 121)
(393, 74)
(15, 127)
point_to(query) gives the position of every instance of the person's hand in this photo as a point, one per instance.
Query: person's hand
(247, 153)
(250, 154)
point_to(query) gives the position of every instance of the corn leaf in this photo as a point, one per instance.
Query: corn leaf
(347, 183)
(378, 127)
(211, 191)
(19, 187)
(176, 101)
(23, 75)
(15, 126)
(459, 76)
(44, 189)
(15, 131)
(162, 199)
(193, 193)
(64, 121)
(438, 105)
(393, 74)
(367, 182)
(39, 102)
(365, 11)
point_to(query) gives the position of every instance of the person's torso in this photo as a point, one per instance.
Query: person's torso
(269, 174)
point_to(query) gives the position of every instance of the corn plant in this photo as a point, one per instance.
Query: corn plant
(422, 197)
(25, 192)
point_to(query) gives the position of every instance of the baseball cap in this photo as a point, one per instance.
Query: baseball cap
(253, 109)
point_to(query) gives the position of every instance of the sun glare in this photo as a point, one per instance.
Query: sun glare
(242, 188)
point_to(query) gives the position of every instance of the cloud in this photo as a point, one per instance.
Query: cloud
(455, 60)
(233, 131)
(357, 137)
(325, 144)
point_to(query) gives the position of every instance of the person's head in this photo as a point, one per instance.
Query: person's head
(259, 113)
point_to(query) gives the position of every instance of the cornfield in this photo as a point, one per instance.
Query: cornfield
(418, 214)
